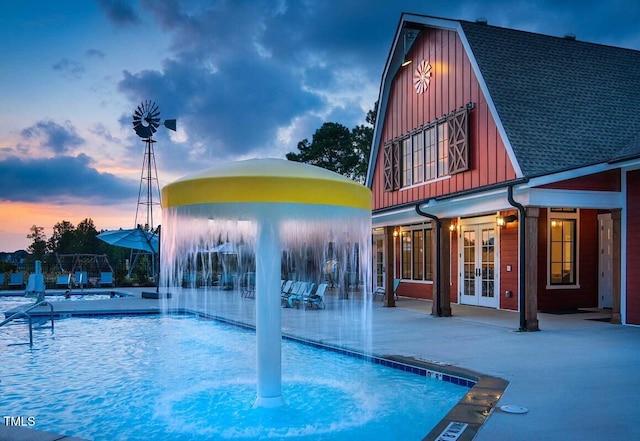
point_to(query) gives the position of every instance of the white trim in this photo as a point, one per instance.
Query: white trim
(623, 249)
(490, 104)
(572, 198)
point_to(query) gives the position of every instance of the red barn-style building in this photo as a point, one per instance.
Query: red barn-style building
(505, 171)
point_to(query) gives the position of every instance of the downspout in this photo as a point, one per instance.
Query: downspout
(521, 259)
(438, 223)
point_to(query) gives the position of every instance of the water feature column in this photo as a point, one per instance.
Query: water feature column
(268, 318)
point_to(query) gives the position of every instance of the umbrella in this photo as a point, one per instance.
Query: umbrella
(136, 239)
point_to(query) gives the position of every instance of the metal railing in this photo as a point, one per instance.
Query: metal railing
(25, 314)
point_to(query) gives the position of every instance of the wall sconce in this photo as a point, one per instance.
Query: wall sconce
(453, 226)
(503, 221)
(395, 232)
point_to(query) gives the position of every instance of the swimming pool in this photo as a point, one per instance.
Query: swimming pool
(181, 378)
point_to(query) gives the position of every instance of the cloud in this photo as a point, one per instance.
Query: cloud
(60, 180)
(57, 138)
(95, 53)
(71, 69)
(119, 12)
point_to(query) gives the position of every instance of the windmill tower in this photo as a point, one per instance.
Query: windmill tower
(146, 120)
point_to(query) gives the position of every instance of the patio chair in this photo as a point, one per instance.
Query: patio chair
(293, 289)
(304, 291)
(16, 280)
(106, 278)
(63, 281)
(247, 284)
(80, 279)
(316, 299)
(379, 291)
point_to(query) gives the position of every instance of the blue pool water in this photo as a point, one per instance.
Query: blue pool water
(182, 378)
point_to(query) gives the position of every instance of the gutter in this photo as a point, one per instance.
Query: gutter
(438, 293)
(522, 255)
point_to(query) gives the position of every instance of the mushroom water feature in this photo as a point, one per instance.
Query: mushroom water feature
(278, 208)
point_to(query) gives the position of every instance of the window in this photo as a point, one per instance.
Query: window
(406, 254)
(416, 259)
(443, 149)
(563, 247)
(418, 157)
(407, 160)
(418, 254)
(433, 151)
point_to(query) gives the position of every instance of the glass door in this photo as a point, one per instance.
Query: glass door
(378, 261)
(478, 263)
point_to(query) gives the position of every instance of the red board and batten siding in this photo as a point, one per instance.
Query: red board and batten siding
(453, 85)
(633, 247)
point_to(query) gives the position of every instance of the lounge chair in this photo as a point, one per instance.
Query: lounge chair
(63, 281)
(380, 291)
(317, 298)
(247, 284)
(287, 292)
(304, 291)
(106, 278)
(80, 279)
(16, 280)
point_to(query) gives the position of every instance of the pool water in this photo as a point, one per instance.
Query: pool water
(181, 378)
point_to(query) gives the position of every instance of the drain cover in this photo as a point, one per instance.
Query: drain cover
(511, 408)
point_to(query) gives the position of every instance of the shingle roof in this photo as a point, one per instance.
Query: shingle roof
(563, 103)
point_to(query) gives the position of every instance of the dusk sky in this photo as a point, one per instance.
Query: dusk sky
(244, 79)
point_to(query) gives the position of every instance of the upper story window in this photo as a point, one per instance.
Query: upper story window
(435, 150)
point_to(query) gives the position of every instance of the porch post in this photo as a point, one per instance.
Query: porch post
(616, 217)
(531, 268)
(445, 268)
(389, 266)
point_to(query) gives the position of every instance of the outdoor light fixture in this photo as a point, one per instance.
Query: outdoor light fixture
(502, 221)
(452, 226)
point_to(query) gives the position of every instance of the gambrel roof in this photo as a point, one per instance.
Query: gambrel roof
(560, 103)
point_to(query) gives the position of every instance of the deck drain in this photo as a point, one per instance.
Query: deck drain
(511, 408)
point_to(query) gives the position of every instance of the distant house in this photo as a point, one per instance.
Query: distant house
(505, 171)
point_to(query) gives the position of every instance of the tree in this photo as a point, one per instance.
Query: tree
(338, 149)
(39, 245)
(86, 240)
(62, 239)
(331, 148)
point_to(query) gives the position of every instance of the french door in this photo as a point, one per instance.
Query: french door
(378, 261)
(477, 263)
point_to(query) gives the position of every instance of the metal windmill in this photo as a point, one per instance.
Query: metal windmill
(146, 120)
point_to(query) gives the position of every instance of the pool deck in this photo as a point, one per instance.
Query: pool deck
(578, 377)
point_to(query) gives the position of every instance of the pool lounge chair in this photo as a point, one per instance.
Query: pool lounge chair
(304, 291)
(63, 281)
(381, 292)
(80, 279)
(106, 278)
(290, 289)
(16, 280)
(247, 284)
(316, 299)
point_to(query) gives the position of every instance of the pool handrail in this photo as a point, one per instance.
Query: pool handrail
(25, 313)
